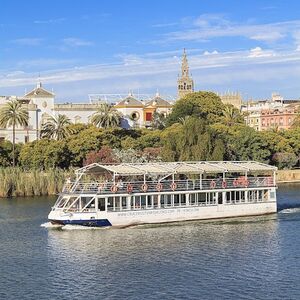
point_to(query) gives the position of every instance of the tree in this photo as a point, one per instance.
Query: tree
(204, 105)
(158, 120)
(13, 114)
(285, 160)
(104, 155)
(248, 144)
(106, 117)
(57, 128)
(231, 116)
(45, 154)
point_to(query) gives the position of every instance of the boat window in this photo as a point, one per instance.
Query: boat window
(176, 200)
(220, 198)
(265, 195)
(137, 202)
(110, 203)
(86, 204)
(242, 196)
(101, 204)
(155, 201)
(166, 200)
(228, 197)
(182, 199)
(143, 200)
(193, 199)
(116, 203)
(62, 202)
(124, 203)
(202, 198)
(73, 204)
(149, 201)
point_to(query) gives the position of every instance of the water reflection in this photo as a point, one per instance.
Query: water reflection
(202, 252)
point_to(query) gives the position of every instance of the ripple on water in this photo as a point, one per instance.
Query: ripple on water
(247, 258)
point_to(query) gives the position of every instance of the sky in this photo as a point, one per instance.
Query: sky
(78, 48)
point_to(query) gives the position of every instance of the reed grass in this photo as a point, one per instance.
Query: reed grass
(17, 182)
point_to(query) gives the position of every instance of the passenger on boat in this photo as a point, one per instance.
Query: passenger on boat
(120, 184)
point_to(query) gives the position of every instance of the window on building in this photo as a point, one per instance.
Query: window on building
(26, 139)
(148, 116)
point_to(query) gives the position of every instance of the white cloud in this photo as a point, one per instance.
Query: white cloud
(210, 53)
(210, 26)
(259, 52)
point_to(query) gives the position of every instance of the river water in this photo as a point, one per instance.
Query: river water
(247, 258)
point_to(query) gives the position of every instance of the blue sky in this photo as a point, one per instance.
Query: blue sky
(86, 47)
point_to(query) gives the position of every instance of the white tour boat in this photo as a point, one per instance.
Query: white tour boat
(139, 193)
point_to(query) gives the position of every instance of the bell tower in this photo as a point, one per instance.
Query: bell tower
(185, 83)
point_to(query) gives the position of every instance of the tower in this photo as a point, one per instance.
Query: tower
(185, 83)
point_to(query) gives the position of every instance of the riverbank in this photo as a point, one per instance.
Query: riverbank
(15, 182)
(288, 176)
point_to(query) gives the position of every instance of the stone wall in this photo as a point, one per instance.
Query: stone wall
(288, 175)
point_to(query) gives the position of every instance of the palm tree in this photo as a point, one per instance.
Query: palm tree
(13, 114)
(106, 117)
(56, 127)
(231, 116)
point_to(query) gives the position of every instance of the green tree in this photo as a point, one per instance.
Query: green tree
(84, 142)
(45, 154)
(57, 128)
(158, 120)
(285, 160)
(106, 117)
(205, 105)
(13, 114)
(231, 116)
(248, 144)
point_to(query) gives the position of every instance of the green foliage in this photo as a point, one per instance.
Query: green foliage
(192, 140)
(13, 114)
(231, 116)
(206, 105)
(285, 160)
(248, 144)
(45, 154)
(5, 154)
(57, 128)
(16, 182)
(158, 120)
(106, 117)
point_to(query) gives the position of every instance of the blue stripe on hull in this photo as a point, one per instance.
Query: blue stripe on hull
(89, 223)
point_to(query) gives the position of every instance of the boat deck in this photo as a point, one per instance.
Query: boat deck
(166, 185)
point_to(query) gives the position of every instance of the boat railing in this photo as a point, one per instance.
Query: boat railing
(166, 185)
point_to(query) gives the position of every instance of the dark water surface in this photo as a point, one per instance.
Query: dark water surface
(248, 258)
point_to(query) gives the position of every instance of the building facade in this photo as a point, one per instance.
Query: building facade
(269, 114)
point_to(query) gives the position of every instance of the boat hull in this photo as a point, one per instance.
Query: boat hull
(162, 215)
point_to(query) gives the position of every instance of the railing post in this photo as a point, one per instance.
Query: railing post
(200, 181)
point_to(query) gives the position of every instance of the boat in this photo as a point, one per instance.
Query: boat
(125, 194)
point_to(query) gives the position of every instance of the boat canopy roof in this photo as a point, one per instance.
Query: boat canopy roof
(169, 168)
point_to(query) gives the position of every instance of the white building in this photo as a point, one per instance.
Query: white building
(40, 104)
